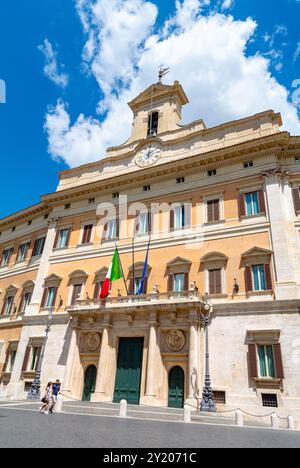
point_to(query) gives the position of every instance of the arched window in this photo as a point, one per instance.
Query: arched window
(153, 124)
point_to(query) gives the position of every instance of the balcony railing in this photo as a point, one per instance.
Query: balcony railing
(11, 317)
(182, 297)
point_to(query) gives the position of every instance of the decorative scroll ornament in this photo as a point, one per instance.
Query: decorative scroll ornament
(176, 340)
(93, 342)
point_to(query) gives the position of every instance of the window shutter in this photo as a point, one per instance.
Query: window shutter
(55, 296)
(76, 292)
(242, 207)
(187, 215)
(6, 359)
(56, 240)
(97, 290)
(248, 279)
(217, 210)
(252, 361)
(218, 281)
(21, 303)
(34, 248)
(296, 196)
(38, 358)
(26, 358)
(137, 223)
(131, 287)
(149, 222)
(171, 283)
(68, 238)
(44, 297)
(278, 361)
(186, 281)
(262, 204)
(171, 220)
(117, 228)
(105, 230)
(145, 289)
(43, 245)
(211, 280)
(268, 277)
(210, 212)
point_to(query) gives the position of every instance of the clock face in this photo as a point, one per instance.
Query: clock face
(148, 155)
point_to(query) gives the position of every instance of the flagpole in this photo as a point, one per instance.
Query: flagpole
(122, 269)
(133, 267)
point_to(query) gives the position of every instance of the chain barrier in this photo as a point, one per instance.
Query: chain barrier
(216, 412)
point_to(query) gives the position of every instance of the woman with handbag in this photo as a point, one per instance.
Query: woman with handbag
(47, 399)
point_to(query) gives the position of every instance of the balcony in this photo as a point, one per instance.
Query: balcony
(11, 318)
(182, 300)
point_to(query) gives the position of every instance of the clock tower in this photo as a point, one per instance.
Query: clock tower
(157, 110)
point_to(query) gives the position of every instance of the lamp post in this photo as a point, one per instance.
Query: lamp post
(207, 403)
(35, 389)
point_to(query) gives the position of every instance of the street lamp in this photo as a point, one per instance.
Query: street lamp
(208, 403)
(35, 389)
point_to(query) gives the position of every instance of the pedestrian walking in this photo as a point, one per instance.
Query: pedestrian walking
(55, 392)
(47, 399)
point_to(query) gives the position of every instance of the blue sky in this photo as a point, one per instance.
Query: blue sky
(95, 71)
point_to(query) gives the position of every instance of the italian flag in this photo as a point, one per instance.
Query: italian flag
(114, 273)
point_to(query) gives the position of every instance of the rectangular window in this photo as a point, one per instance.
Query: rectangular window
(97, 290)
(143, 224)
(259, 278)
(50, 297)
(179, 282)
(252, 204)
(248, 164)
(269, 400)
(34, 358)
(266, 361)
(22, 252)
(38, 247)
(215, 281)
(147, 188)
(180, 180)
(179, 219)
(76, 295)
(7, 308)
(212, 173)
(213, 210)
(25, 302)
(6, 257)
(12, 359)
(62, 239)
(111, 232)
(137, 285)
(87, 234)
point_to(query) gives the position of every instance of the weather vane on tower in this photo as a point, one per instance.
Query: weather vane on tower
(162, 72)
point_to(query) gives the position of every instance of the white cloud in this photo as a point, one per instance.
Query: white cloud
(297, 51)
(51, 66)
(227, 4)
(206, 53)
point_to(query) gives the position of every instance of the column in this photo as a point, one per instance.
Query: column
(193, 352)
(67, 382)
(101, 381)
(283, 234)
(34, 306)
(151, 362)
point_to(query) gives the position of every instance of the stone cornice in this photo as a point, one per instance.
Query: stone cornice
(23, 215)
(200, 162)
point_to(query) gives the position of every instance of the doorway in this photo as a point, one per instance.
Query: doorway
(89, 383)
(176, 388)
(129, 370)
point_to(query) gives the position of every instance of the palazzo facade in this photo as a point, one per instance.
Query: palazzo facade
(220, 208)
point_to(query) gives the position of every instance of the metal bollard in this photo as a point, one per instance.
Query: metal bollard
(187, 414)
(239, 418)
(59, 404)
(123, 409)
(274, 421)
(291, 423)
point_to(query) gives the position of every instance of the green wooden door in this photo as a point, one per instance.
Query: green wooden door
(129, 370)
(89, 383)
(176, 388)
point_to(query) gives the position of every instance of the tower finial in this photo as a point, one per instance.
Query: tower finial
(162, 72)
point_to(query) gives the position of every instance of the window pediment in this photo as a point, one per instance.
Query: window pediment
(12, 289)
(78, 274)
(100, 275)
(179, 265)
(28, 284)
(257, 252)
(214, 257)
(138, 269)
